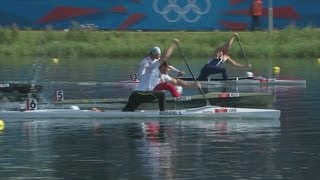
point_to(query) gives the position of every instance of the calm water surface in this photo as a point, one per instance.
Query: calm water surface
(158, 148)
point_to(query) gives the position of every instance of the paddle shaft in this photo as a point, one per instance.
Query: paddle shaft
(244, 55)
(187, 64)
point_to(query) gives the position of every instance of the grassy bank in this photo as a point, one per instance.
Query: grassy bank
(290, 42)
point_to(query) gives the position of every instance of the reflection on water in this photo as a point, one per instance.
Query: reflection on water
(166, 149)
(158, 148)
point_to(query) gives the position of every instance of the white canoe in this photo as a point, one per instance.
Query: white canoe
(183, 102)
(206, 111)
(257, 80)
(251, 81)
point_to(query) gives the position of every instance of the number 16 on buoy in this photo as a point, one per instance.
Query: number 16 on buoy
(31, 104)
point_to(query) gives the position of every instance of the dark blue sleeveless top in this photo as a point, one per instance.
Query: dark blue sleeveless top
(215, 62)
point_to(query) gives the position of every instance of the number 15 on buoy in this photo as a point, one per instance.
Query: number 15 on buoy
(59, 96)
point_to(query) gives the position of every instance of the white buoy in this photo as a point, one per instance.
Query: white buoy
(74, 107)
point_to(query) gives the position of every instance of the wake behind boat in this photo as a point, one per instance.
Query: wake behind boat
(212, 112)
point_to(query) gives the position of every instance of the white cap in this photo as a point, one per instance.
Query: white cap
(249, 74)
(155, 50)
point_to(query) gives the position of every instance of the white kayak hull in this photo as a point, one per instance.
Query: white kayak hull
(245, 81)
(183, 102)
(251, 81)
(206, 111)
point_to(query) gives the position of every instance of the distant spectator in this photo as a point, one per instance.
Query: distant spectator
(256, 13)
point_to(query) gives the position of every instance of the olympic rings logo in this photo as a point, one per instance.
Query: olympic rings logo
(181, 12)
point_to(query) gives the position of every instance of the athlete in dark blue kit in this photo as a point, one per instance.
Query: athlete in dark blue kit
(220, 56)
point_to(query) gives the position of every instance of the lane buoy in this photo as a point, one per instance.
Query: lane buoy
(1, 125)
(55, 60)
(276, 70)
